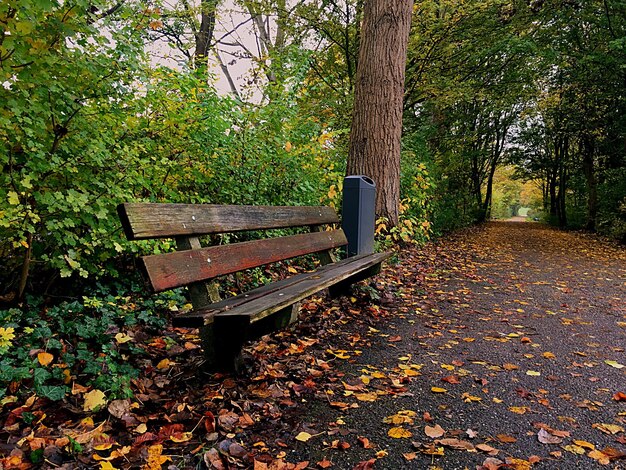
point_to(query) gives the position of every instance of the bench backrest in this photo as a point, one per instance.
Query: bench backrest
(186, 222)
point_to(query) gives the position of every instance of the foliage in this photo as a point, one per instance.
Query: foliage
(45, 349)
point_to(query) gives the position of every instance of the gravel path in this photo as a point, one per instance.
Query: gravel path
(508, 339)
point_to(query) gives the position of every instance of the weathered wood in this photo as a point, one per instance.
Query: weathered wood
(201, 294)
(326, 256)
(264, 301)
(166, 271)
(200, 317)
(147, 220)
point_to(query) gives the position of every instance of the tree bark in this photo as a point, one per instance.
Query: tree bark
(378, 100)
(592, 182)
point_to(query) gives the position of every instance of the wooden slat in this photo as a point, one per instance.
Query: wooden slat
(271, 298)
(153, 220)
(180, 268)
(326, 276)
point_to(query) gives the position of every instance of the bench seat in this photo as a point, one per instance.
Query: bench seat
(261, 302)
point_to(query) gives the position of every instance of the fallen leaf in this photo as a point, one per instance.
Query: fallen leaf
(94, 400)
(325, 463)
(608, 428)
(585, 444)
(456, 444)
(119, 408)
(44, 358)
(303, 436)
(438, 390)
(619, 396)
(615, 364)
(520, 410)
(533, 373)
(600, 457)
(164, 364)
(434, 431)
(399, 433)
(451, 379)
(505, 438)
(155, 459)
(181, 437)
(122, 338)
(487, 449)
(546, 438)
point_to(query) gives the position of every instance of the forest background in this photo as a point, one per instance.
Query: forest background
(507, 103)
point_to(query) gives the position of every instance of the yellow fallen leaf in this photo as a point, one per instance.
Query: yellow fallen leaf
(401, 417)
(122, 338)
(399, 433)
(303, 436)
(600, 457)
(585, 444)
(372, 396)
(549, 355)
(534, 373)
(107, 466)
(467, 398)
(164, 364)
(44, 358)
(142, 428)
(520, 410)
(155, 459)
(94, 400)
(574, 449)
(608, 428)
(447, 366)
(615, 364)
(181, 436)
(438, 390)
(292, 270)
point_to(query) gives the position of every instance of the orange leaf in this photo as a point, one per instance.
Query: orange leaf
(619, 396)
(44, 358)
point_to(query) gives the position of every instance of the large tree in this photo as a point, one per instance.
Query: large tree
(378, 100)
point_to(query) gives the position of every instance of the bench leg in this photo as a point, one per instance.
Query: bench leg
(228, 334)
(343, 287)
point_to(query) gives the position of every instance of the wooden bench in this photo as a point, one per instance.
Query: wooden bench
(227, 324)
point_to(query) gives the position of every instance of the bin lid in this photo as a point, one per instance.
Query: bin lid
(358, 181)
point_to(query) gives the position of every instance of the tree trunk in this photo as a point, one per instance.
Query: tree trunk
(592, 183)
(378, 100)
(204, 35)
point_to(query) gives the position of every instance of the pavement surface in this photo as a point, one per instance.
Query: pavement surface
(501, 347)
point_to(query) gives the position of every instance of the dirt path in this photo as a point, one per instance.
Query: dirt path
(507, 342)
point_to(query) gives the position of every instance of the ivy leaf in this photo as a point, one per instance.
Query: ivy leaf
(51, 392)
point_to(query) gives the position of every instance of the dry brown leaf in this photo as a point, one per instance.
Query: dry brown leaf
(546, 438)
(487, 449)
(505, 438)
(456, 444)
(434, 431)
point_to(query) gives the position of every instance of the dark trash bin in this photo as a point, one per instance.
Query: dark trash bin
(358, 214)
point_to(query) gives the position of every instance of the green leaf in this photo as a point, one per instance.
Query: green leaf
(52, 392)
(13, 198)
